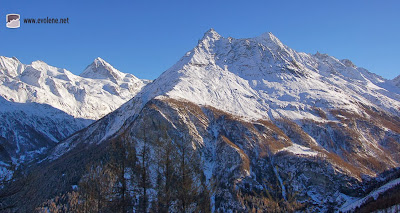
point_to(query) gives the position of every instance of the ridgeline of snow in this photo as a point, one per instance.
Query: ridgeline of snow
(98, 91)
(260, 78)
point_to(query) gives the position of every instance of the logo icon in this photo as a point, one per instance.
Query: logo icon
(13, 20)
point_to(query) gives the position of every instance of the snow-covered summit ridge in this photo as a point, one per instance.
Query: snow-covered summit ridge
(263, 78)
(211, 34)
(102, 90)
(100, 69)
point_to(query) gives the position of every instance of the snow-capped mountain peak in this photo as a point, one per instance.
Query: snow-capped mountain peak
(40, 65)
(100, 69)
(272, 39)
(270, 80)
(211, 34)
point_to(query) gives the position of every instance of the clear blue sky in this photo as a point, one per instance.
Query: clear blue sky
(147, 37)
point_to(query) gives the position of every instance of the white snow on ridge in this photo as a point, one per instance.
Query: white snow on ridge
(102, 90)
(260, 78)
(100, 69)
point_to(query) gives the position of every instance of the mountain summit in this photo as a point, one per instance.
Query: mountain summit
(211, 34)
(261, 78)
(100, 69)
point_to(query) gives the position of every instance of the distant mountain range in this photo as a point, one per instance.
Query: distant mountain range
(99, 90)
(270, 128)
(42, 104)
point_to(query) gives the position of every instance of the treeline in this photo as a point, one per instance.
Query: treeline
(159, 175)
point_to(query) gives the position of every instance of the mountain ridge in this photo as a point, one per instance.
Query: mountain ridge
(78, 96)
(294, 64)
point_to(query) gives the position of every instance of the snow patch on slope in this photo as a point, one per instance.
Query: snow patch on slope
(357, 202)
(299, 150)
